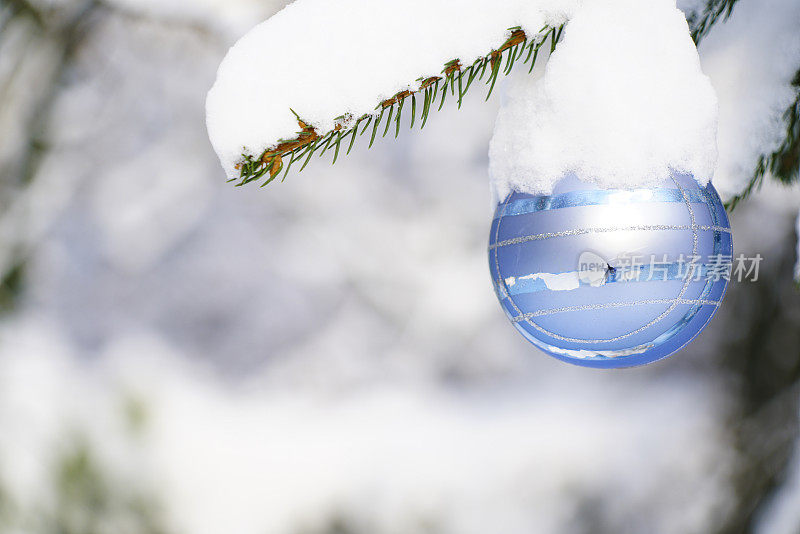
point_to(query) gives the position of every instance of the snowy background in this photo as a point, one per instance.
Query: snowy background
(326, 355)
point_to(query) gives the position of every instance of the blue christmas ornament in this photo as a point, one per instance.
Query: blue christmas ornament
(611, 278)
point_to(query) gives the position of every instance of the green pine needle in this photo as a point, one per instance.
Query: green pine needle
(353, 134)
(444, 95)
(336, 153)
(388, 120)
(426, 107)
(375, 129)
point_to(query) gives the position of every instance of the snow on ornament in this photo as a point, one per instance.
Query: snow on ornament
(611, 278)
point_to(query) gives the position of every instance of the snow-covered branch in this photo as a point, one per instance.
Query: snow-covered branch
(783, 163)
(455, 78)
(330, 70)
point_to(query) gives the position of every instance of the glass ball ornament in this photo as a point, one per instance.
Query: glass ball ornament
(611, 278)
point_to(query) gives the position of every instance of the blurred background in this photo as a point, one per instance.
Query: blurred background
(326, 355)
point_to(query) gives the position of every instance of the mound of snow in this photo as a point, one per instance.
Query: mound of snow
(622, 102)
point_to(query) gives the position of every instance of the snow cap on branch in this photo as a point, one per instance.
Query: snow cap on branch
(622, 103)
(326, 60)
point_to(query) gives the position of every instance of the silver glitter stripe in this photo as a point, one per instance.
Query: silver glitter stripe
(586, 307)
(583, 231)
(586, 198)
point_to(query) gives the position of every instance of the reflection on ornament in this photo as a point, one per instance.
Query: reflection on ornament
(611, 278)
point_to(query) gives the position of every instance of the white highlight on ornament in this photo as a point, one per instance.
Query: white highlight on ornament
(622, 102)
(583, 354)
(324, 59)
(560, 281)
(553, 281)
(628, 197)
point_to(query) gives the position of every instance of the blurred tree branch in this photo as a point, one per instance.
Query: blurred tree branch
(24, 7)
(51, 42)
(763, 362)
(714, 11)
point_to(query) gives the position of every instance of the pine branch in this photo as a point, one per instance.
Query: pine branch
(714, 11)
(23, 7)
(784, 163)
(455, 78)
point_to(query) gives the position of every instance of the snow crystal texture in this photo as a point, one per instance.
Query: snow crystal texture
(325, 59)
(622, 103)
